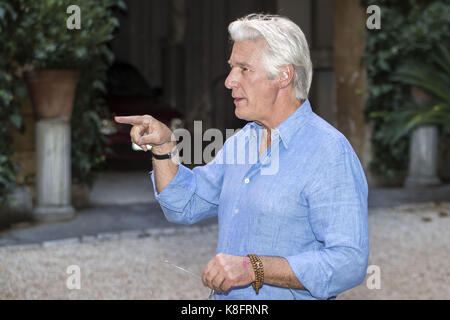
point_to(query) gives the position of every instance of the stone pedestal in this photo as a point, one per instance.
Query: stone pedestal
(53, 176)
(423, 157)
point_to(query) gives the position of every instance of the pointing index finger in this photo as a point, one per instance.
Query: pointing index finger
(133, 120)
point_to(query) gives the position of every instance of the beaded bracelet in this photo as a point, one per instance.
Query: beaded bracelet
(258, 268)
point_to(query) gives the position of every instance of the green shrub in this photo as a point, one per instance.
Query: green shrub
(9, 106)
(409, 30)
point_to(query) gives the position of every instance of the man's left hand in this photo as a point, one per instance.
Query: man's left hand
(226, 271)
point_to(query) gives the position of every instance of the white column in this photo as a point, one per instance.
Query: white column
(53, 177)
(423, 157)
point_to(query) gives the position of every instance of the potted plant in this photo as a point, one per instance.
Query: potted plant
(53, 58)
(50, 54)
(428, 110)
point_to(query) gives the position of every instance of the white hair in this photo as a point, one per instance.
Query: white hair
(285, 44)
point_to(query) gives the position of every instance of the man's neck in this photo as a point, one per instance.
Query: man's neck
(268, 126)
(279, 113)
(266, 140)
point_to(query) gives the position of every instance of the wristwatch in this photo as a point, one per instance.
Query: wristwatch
(164, 156)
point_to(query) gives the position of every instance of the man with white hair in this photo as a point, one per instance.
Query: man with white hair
(299, 232)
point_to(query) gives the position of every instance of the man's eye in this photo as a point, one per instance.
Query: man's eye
(244, 69)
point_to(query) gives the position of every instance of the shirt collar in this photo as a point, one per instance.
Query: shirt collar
(289, 127)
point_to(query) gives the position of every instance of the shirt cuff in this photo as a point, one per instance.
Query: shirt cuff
(178, 192)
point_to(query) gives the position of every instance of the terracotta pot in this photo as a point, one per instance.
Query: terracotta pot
(52, 92)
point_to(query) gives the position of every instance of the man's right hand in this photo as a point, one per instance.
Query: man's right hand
(147, 130)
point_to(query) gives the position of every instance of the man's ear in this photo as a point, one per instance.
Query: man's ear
(286, 75)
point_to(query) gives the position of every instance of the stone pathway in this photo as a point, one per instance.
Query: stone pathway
(410, 247)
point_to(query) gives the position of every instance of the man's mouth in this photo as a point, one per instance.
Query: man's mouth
(237, 100)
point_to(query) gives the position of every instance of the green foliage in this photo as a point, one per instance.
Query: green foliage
(410, 30)
(434, 80)
(34, 35)
(9, 107)
(43, 40)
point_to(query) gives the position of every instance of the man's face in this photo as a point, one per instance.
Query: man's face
(253, 93)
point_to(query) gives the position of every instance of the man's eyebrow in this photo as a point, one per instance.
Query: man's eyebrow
(241, 64)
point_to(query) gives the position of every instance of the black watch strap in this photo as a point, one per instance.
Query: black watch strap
(164, 156)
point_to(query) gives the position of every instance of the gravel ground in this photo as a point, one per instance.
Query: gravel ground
(409, 244)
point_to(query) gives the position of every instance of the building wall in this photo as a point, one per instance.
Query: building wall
(315, 18)
(143, 29)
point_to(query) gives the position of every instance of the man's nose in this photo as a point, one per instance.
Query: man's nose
(231, 81)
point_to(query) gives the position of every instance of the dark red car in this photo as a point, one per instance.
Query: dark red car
(130, 94)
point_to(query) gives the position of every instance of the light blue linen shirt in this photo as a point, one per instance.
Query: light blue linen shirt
(304, 199)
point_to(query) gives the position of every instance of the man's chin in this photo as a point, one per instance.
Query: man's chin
(239, 115)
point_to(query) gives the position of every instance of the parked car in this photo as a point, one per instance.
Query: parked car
(130, 94)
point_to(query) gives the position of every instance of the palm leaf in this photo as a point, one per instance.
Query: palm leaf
(443, 59)
(426, 77)
(433, 79)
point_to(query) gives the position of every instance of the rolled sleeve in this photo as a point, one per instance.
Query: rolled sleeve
(338, 217)
(192, 195)
(178, 192)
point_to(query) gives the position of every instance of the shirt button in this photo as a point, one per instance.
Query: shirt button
(236, 211)
(247, 180)
(228, 243)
